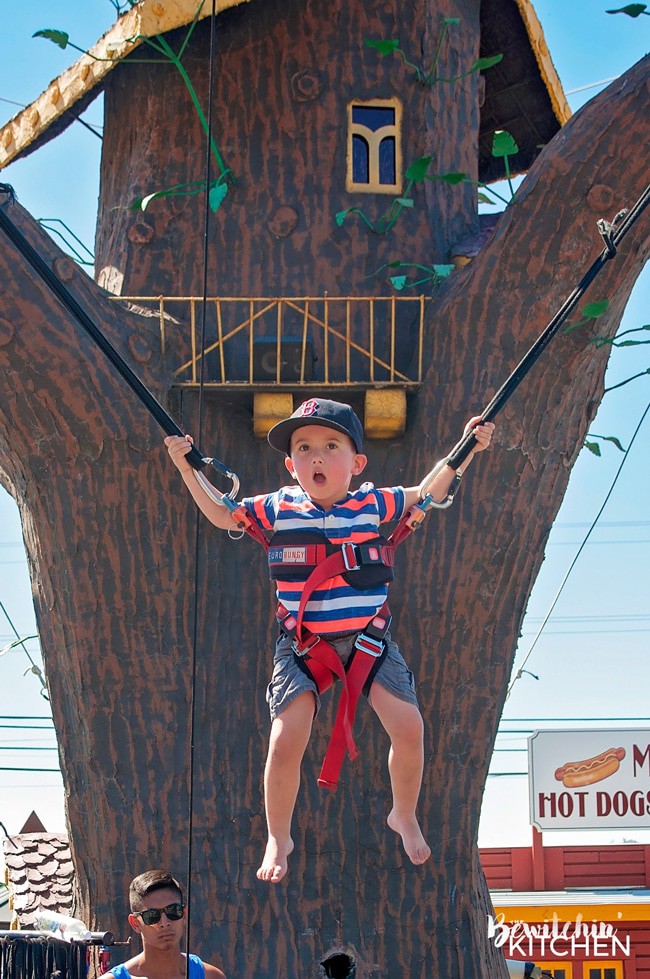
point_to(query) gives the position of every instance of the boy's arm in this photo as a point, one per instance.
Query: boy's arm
(220, 516)
(439, 480)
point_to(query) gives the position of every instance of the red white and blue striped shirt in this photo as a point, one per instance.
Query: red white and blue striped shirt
(335, 607)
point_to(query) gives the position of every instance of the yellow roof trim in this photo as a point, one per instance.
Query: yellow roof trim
(151, 17)
(545, 64)
(146, 19)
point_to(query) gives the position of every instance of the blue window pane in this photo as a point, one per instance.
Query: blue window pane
(373, 117)
(360, 161)
(387, 161)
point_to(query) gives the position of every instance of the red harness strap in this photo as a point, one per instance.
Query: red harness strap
(321, 661)
(324, 663)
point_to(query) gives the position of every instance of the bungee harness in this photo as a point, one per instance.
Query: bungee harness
(313, 652)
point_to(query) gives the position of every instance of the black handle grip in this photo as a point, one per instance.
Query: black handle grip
(460, 451)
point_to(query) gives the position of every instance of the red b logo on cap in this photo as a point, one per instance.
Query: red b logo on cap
(309, 407)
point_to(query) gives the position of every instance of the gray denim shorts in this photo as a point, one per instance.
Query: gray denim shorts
(288, 679)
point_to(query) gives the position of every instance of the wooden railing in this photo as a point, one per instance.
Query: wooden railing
(355, 342)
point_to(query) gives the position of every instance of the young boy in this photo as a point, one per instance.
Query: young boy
(323, 446)
(158, 916)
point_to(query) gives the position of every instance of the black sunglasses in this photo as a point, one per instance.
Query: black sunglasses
(173, 912)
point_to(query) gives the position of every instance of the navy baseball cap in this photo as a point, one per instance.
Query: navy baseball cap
(317, 411)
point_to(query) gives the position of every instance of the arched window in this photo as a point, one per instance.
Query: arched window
(374, 147)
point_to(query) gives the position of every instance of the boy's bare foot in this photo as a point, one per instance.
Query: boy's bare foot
(274, 864)
(417, 848)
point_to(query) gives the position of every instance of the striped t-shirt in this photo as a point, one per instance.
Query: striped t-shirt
(335, 606)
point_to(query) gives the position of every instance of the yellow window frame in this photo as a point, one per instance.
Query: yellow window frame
(567, 968)
(373, 140)
(602, 965)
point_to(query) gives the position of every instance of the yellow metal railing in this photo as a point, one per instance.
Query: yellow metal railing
(347, 341)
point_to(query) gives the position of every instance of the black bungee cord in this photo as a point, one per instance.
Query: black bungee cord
(197, 534)
(612, 234)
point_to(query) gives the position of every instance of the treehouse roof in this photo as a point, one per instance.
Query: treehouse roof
(523, 93)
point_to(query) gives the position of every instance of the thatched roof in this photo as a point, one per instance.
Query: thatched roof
(523, 94)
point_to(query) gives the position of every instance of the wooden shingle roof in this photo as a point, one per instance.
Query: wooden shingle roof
(39, 874)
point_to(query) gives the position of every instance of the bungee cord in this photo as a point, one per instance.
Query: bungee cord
(197, 533)
(612, 235)
(68, 301)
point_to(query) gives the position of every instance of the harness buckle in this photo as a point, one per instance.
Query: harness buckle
(350, 558)
(304, 649)
(378, 627)
(287, 621)
(368, 644)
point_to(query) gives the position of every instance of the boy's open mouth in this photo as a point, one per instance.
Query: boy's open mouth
(319, 478)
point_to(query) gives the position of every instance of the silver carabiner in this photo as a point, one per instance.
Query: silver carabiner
(228, 499)
(426, 500)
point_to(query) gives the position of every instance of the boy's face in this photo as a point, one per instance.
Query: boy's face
(324, 460)
(164, 934)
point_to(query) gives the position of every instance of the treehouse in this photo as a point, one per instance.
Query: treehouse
(147, 625)
(316, 122)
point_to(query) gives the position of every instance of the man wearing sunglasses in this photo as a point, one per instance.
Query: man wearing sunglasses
(158, 915)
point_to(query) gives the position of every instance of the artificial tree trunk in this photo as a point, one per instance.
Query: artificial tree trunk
(117, 572)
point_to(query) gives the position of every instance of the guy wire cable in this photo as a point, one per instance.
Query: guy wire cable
(578, 552)
(197, 538)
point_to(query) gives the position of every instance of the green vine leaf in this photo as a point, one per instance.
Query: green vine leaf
(144, 202)
(418, 169)
(614, 441)
(450, 178)
(632, 10)
(383, 47)
(503, 144)
(482, 64)
(592, 310)
(595, 448)
(60, 38)
(398, 282)
(404, 201)
(217, 196)
(443, 271)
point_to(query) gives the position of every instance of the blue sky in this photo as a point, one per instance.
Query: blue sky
(591, 659)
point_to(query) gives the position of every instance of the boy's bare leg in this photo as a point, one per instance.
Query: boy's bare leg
(289, 737)
(403, 724)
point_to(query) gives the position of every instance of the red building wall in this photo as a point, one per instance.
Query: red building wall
(570, 868)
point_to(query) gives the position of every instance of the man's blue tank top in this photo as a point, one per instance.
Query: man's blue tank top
(196, 969)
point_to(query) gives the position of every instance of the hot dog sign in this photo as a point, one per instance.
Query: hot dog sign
(596, 779)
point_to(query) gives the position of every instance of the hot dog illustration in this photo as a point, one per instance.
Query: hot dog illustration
(577, 773)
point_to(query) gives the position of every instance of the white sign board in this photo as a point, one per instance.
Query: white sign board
(589, 779)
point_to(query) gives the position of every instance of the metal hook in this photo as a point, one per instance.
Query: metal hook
(228, 499)
(607, 230)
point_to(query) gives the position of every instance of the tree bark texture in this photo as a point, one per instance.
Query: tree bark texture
(285, 74)
(118, 570)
